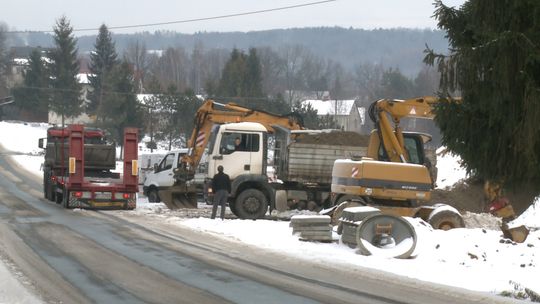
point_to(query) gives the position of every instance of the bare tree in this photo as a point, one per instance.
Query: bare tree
(293, 56)
(273, 69)
(214, 62)
(315, 72)
(137, 55)
(196, 67)
(172, 68)
(368, 79)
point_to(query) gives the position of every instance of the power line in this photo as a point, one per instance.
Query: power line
(188, 20)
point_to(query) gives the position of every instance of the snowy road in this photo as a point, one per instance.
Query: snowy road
(84, 256)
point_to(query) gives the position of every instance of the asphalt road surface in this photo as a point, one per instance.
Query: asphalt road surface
(71, 256)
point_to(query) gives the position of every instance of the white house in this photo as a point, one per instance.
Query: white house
(349, 114)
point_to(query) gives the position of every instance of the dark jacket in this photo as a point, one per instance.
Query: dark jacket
(221, 181)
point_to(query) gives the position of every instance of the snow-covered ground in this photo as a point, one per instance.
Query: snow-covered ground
(473, 258)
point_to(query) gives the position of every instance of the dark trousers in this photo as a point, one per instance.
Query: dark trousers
(220, 198)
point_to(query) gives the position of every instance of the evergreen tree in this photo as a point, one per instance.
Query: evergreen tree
(119, 108)
(176, 112)
(171, 110)
(233, 80)
(66, 93)
(495, 63)
(311, 119)
(33, 95)
(253, 77)
(102, 61)
(395, 85)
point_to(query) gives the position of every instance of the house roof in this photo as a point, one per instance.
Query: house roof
(331, 107)
(83, 78)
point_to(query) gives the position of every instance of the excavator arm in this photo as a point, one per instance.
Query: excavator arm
(208, 115)
(183, 193)
(391, 136)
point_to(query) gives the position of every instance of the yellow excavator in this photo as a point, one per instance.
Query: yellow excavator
(184, 193)
(401, 184)
(393, 176)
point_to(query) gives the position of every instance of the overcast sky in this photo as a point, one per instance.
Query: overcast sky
(41, 15)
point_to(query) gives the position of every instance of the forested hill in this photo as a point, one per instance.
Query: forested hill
(402, 48)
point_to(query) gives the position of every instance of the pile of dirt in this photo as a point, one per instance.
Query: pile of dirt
(339, 138)
(469, 196)
(463, 196)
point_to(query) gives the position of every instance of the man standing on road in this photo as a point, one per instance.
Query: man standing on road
(221, 186)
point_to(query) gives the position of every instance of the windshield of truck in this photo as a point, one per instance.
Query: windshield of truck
(245, 142)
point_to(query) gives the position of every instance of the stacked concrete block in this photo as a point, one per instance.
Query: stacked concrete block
(350, 220)
(312, 227)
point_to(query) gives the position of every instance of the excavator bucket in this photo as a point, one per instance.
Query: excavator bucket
(179, 198)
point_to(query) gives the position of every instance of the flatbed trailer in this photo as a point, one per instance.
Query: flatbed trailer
(70, 185)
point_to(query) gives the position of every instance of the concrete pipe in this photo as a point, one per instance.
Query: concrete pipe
(386, 236)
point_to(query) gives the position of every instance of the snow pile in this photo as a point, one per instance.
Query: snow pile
(531, 216)
(459, 257)
(449, 170)
(22, 137)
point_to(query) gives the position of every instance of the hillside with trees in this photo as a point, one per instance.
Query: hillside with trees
(396, 48)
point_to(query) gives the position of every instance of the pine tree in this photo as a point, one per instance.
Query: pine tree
(102, 61)
(253, 77)
(232, 82)
(495, 63)
(66, 94)
(395, 85)
(119, 108)
(33, 95)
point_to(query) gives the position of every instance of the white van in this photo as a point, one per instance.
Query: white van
(162, 176)
(146, 164)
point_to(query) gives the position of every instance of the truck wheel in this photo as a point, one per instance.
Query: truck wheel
(251, 204)
(65, 198)
(58, 198)
(46, 186)
(445, 219)
(153, 196)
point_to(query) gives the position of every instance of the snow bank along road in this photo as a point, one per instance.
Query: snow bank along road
(85, 256)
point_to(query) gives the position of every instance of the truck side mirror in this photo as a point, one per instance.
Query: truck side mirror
(155, 167)
(41, 143)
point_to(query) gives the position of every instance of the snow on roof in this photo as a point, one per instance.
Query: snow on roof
(83, 78)
(158, 53)
(20, 61)
(144, 98)
(331, 107)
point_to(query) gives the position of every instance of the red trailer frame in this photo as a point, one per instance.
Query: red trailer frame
(81, 192)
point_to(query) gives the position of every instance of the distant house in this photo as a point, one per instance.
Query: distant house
(350, 115)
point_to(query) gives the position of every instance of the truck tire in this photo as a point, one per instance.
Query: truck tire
(46, 185)
(251, 204)
(59, 198)
(48, 188)
(445, 219)
(65, 198)
(153, 196)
